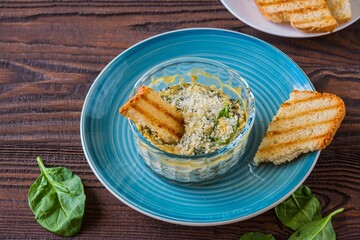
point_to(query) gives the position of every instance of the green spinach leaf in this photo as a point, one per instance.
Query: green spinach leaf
(317, 230)
(257, 236)
(57, 200)
(300, 208)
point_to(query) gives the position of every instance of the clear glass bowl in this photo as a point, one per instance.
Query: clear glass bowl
(198, 168)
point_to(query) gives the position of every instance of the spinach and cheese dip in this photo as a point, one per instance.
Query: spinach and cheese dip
(212, 119)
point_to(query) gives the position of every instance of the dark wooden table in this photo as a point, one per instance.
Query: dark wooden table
(50, 54)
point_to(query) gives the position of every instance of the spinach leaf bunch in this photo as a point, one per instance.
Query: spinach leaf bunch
(301, 213)
(300, 208)
(317, 230)
(57, 200)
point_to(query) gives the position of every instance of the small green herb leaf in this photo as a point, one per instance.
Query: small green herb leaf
(317, 230)
(300, 208)
(218, 141)
(57, 200)
(257, 236)
(224, 112)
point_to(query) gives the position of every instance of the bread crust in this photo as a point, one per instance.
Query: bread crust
(306, 122)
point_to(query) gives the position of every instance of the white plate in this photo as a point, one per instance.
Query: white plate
(247, 12)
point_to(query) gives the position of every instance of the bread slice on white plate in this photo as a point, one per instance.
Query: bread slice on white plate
(340, 9)
(304, 15)
(306, 122)
(316, 20)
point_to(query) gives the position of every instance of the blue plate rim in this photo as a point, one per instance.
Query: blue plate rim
(138, 209)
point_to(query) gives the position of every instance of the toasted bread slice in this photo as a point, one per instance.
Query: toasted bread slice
(340, 9)
(304, 15)
(274, 10)
(147, 108)
(306, 122)
(315, 21)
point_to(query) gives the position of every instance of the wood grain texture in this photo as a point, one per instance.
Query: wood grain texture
(51, 52)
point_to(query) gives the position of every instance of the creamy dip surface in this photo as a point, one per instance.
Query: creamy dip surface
(212, 120)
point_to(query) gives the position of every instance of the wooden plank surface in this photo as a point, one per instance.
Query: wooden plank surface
(51, 52)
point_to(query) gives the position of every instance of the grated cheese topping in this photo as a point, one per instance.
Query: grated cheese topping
(211, 119)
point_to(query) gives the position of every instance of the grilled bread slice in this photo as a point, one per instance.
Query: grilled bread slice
(314, 21)
(340, 9)
(304, 15)
(147, 108)
(306, 122)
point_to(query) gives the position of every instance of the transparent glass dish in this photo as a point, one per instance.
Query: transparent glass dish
(205, 167)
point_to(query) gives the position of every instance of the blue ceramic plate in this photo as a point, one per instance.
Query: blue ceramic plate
(247, 190)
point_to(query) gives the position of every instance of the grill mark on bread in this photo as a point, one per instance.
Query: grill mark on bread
(301, 10)
(163, 110)
(289, 130)
(307, 112)
(293, 4)
(278, 2)
(286, 144)
(285, 104)
(327, 18)
(155, 121)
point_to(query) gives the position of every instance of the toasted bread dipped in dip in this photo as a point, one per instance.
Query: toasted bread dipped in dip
(186, 119)
(147, 108)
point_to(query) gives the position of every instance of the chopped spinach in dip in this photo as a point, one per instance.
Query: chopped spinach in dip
(212, 120)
